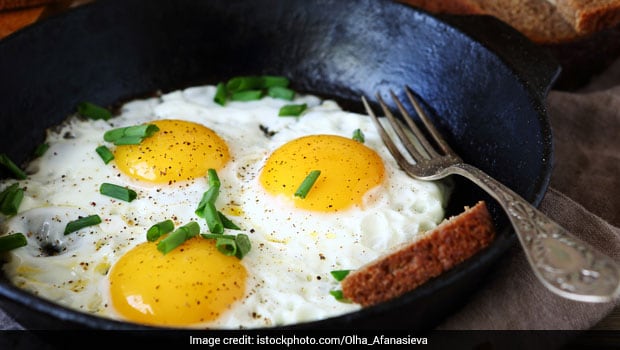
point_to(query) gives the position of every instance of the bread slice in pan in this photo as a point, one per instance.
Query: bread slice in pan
(450, 243)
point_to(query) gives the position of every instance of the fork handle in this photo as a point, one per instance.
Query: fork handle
(565, 264)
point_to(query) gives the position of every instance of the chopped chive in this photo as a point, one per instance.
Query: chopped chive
(244, 83)
(307, 184)
(128, 140)
(358, 136)
(274, 80)
(292, 110)
(339, 296)
(178, 236)
(247, 95)
(105, 154)
(227, 223)
(117, 192)
(6, 191)
(220, 94)
(213, 218)
(281, 93)
(82, 222)
(226, 246)
(92, 111)
(243, 245)
(10, 199)
(216, 236)
(12, 167)
(339, 275)
(130, 135)
(214, 180)
(159, 229)
(41, 149)
(209, 196)
(238, 245)
(12, 241)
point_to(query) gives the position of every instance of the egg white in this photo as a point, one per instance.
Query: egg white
(293, 251)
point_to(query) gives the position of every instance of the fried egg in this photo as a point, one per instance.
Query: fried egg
(361, 206)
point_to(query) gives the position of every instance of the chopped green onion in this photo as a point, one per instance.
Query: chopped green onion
(292, 110)
(8, 163)
(281, 93)
(159, 229)
(10, 199)
(220, 94)
(247, 95)
(244, 83)
(339, 296)
(41, 149)
(238, 245)
(307, 184)
(214, 180)
(6, 191)
(80, 223)
(130, 135)
(209, 196)
(226, 246)
(216, 236)
(105, 154)
(129, 140)
(12, 241)
(243, 245)
(117, 192)
(339, 275)
(274, 80)
(358, 136)
(227, 223)
(178, 236)
(92, 111)
(214, 222)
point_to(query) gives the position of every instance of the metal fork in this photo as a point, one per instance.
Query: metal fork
(565, 265)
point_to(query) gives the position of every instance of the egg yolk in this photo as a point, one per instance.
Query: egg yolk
(193, 283)
(348, 170)
(180, 150)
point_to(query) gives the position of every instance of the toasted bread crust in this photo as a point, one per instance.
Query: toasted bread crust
(450, 243)
(542, 21)
(588, 16)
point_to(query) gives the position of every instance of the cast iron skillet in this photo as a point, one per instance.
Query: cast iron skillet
(484, 83)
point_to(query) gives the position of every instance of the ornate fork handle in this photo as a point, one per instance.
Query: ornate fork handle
(563, 262)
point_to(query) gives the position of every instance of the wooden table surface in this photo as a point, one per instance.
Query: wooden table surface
(17, 14)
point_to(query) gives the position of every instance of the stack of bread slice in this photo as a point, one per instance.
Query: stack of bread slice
(543, 21)
(583, 35)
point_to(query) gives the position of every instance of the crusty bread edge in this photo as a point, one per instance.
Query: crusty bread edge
(450, 243)
(588, 17)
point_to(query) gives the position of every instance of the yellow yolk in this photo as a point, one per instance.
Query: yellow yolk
(193, 283)
(348, 170)
(179, 151)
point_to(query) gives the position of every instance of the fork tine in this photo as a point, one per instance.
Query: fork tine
(391, 146)
(404, 139)
(414, 128)
(429, 125)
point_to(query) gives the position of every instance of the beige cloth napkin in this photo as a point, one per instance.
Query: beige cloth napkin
(584, 196)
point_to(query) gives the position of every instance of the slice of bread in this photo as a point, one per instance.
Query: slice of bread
(543, 21)
(587, 16)
(18, 4)
(539, 20)
(449, 244)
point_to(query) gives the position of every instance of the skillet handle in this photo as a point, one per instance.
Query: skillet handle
(535, 63)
